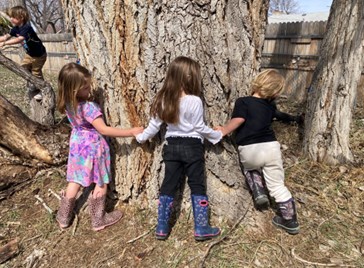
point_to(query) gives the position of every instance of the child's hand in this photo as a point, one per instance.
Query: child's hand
(136, 130)
(220, 128)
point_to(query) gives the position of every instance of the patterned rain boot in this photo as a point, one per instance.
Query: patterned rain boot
(65, 211)
(255, 182)
(286, 217)
(203, 230)
(165, 205)
(99, 218)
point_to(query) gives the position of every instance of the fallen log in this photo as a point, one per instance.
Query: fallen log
(29, 139)
(9, 250)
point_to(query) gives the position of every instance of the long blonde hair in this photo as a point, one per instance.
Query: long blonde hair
(268, 84)
(71, 78)
(184, 74)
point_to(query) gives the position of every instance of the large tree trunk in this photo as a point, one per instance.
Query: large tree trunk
(333, 91)
(128, 46)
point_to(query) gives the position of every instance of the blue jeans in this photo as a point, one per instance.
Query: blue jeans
(183, 156)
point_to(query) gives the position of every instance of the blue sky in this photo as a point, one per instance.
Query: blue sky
(308, 6)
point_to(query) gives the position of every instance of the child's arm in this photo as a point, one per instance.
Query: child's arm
(105, 130)
(3, 39)
(233, 124)
(5, 42)
(285, 117)
(152, 129)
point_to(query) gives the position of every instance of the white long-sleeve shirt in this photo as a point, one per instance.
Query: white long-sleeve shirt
(191, 123)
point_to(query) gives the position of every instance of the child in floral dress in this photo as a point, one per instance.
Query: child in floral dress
(89, 154)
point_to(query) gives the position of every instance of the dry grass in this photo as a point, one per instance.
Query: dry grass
(330, 206)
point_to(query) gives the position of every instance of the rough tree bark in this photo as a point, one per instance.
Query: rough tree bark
(128, 46)
(30, 139)
(26, 146)
(333, 91)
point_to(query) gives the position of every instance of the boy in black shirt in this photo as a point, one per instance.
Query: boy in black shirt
(258, 147)
(23, 33)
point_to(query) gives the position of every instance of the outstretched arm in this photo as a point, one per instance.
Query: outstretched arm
(105, 130)
(4, 37)
(233, 124)
(287, 118)
(5, 42)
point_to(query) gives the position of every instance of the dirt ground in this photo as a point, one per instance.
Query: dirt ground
(330, 207)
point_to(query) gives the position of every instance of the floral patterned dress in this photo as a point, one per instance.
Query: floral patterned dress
(89, 155)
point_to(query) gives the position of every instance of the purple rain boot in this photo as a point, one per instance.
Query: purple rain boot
(286, 217)
(255, 182)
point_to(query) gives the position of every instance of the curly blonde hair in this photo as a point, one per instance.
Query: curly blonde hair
(268, 84)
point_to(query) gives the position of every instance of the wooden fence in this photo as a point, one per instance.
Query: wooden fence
(293, 48)
(290, 47)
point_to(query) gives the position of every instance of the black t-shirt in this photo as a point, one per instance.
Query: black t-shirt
(32, 44)
(258, 114)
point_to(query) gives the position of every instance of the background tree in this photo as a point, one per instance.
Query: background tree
(284, 6)
(46, 15)
(333, 90)
(128, 46)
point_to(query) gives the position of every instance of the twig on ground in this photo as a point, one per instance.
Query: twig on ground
(122, 254)
(106, 259)
(50, 211)
(321, 223)
(361, 247)
(318, 263)
(13, 223)
(31, 238)
(53, 193)
(202, 264)
(75, 224)
(140, 236)
(261, 243)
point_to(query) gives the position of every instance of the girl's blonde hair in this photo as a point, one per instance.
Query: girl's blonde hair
(19, 12)
(71, 79)
(184, 74)
(268, 84)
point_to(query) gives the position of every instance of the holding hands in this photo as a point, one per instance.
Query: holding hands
(222, 129)
(136, 130)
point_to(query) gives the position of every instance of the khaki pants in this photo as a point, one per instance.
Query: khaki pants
(34, 64)
(268, 157)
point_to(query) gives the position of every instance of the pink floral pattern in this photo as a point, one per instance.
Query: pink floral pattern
(89, 155)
